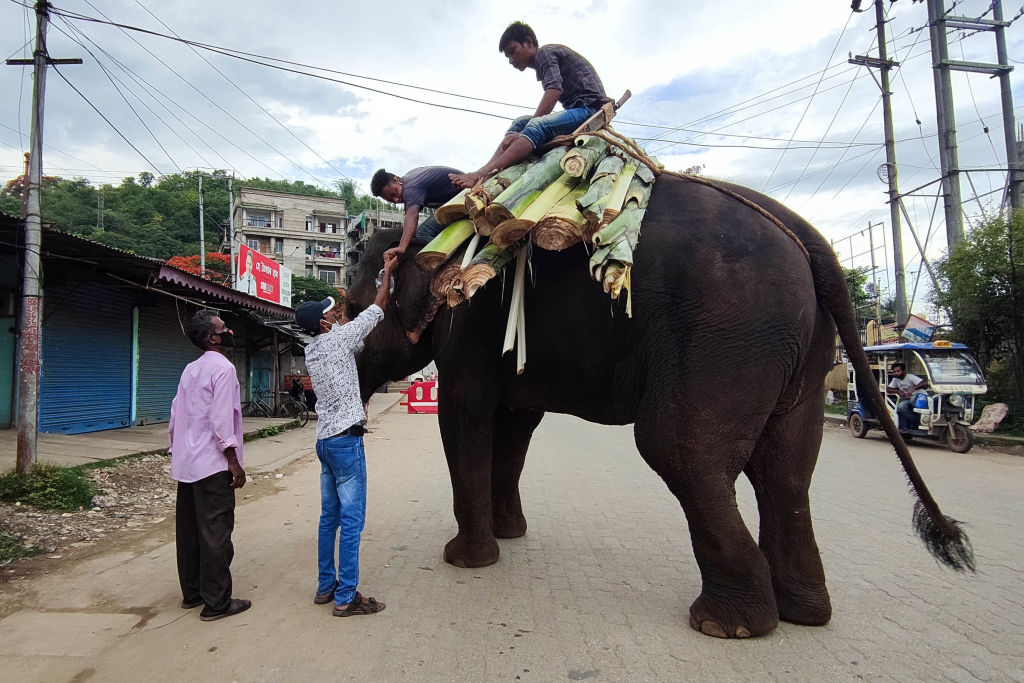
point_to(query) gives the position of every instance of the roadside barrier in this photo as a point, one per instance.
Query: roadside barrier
(421, 397)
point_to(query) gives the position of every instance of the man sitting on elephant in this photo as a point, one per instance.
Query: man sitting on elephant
(567, 77)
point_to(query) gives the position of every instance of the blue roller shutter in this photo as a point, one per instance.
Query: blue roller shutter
(164, 351)
(86, 378)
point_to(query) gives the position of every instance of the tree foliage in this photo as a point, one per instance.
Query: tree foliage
(982, 285)
(313, 289)
(157, 217)
(218, 266)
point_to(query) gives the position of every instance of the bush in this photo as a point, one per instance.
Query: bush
(49, 487)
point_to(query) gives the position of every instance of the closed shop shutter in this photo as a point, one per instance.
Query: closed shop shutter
(164, 351)
(86, 375)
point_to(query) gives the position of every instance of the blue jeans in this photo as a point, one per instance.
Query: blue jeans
(343, 506)
(429, 229)
(905, 412)
(545, 128)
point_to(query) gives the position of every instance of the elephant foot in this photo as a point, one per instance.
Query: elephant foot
(807, 608)
(464, 553)
(722, 621)
(509, 526)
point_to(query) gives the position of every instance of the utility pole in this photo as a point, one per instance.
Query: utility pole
(202, 236)
(946, 121)
(231, 235)
(99, 209)
(1015, 170)
(884, 64)
(30, 316)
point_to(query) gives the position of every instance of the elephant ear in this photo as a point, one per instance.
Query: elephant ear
(415, 304)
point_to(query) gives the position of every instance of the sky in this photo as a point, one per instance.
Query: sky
(757, 93)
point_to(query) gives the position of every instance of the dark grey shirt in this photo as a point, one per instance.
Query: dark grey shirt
(428, 186)
(559, 68)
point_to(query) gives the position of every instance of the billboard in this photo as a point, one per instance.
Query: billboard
(263, 277)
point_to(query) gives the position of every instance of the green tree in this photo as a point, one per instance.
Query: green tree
(863, 302)
(313, 289)
(982, 285)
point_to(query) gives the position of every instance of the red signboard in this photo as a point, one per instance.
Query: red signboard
(263, 277)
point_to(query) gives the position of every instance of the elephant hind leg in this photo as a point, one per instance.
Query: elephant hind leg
(736, 599)
(780, 472)
(512, 432)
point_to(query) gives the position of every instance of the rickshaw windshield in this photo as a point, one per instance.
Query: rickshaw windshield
(952, 367)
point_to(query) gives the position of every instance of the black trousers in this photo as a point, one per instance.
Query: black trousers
(205, 518)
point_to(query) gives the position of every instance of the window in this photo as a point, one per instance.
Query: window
(254, 244)
(309, 224)
(309, 247)
(278, 245)
(309, 271)
(328, 276)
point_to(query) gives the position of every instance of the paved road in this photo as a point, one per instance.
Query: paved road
(598, 589)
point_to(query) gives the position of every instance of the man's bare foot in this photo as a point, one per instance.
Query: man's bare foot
(465, 180)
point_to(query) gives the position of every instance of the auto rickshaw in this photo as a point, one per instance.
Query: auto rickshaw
(944, 410)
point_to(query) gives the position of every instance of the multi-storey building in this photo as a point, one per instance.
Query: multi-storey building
(304, 233)
(365, 224)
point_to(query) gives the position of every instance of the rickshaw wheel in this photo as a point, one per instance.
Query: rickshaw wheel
(857, 425)
(959, 438)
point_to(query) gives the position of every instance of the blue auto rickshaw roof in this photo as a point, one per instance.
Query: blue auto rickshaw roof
(916, 346)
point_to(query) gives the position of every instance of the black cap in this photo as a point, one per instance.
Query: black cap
(309, 314)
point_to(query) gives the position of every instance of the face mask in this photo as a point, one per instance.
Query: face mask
(227, 338)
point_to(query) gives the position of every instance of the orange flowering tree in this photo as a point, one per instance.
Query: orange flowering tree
(218, 266)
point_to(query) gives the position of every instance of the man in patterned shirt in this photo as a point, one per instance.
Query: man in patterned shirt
(567, 78)
(331, 364)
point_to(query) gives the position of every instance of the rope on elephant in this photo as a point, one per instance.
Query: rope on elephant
(613, 137)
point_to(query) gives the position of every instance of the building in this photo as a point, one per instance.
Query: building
(114, 338)
(365, 224)
(304, 233)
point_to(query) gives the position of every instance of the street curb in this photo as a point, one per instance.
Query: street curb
(110, 462)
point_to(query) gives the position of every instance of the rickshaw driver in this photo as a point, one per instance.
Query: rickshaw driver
(906, 386)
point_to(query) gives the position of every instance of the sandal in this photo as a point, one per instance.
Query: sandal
(359, 605)
(237, 606)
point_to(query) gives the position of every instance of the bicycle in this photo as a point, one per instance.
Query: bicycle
(294, 409)
(258, 406)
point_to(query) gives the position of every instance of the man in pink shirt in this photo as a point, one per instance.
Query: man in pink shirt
(206, 461)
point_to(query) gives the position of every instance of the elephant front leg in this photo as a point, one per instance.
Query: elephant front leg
(512, 432)
(467, 446)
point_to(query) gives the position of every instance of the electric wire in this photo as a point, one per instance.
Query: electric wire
(148, 88)
(241, 90)
(811, 99)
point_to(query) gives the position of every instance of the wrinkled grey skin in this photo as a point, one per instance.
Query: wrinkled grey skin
(720, 370)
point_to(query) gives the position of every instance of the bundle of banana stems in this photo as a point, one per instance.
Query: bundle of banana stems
(515, 329)
(563, 225)
(616, 240)
(592, 204)
(510, 231)
(581, 159)
(455, 209)
(517, 197)
(480, 196)
(441, 247)
(484, 266)
(446, 284)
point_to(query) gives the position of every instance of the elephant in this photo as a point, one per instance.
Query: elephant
(720, 368)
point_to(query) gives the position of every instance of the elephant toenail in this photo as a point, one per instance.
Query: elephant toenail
(742, 632)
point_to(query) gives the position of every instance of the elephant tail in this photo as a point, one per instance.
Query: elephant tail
(943, 536)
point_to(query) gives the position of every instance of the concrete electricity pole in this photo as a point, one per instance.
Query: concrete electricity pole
(202, 236)
(30, 315)
(231, 235)
(946, 121)
(884, 64)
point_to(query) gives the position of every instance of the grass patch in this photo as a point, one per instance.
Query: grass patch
(269, 431)
(48, 486)
(12, 549)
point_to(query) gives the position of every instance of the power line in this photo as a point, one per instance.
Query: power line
(811, 99)
(249, 97)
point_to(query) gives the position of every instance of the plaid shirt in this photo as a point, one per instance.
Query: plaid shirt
(559, 68)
